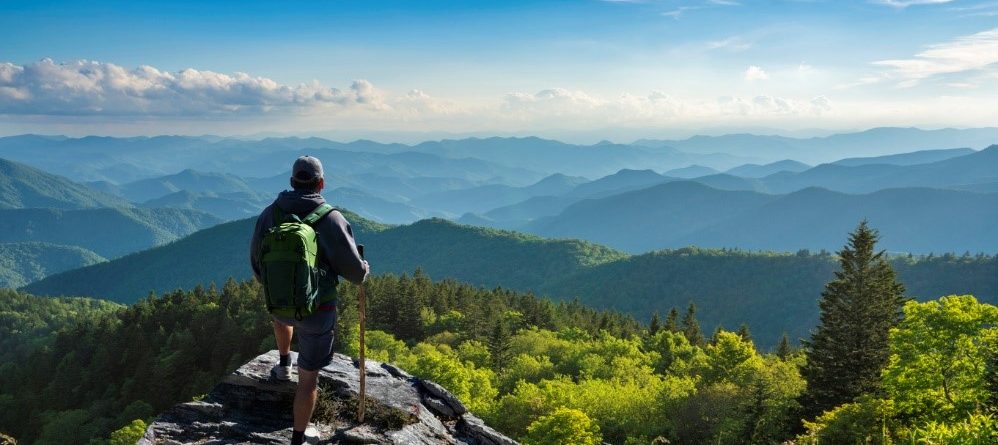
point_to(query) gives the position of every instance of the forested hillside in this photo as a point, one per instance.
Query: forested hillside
(441, 248)
(22, 186)
(773, 292)
(224, 206)
(110, 232)
(103, 365)
(23, 263)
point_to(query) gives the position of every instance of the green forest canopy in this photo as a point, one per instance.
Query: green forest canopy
(537, 370)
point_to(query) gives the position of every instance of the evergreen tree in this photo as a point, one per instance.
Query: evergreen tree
(604, 322)
(784, 349)
(691, 327)
(743, 332)
(499, 345)
(654, 326)
(672, 320)
(849, 349)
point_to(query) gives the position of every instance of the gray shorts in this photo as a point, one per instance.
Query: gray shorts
(315, 338)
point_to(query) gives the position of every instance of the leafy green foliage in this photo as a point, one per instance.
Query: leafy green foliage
(978, 429)
(128, 434)
(868, 420)
(22, 263)
(936, 384)
(937, 357)
(564, 425)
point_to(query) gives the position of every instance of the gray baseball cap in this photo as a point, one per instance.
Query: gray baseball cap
(306, 169)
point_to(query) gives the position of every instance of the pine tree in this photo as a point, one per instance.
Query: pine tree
(784, 349)
(499, 344)
(743, 332)
(654, 326)
(691, 327)
(605, 324)
(672, 320)
(848, 350)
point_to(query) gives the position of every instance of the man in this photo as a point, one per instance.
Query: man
(337, 255)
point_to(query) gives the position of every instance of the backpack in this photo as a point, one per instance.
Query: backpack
(288, 252)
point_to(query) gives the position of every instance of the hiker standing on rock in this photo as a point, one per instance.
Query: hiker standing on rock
(299, 247)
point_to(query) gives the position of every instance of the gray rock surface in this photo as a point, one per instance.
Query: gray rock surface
(248, 408)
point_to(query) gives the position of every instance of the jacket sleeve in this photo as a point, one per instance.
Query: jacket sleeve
(340, 249)
(254, 252)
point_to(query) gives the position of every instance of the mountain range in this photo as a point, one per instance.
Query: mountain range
(682, 213)
(816, 150)
(772, 292)
(142, 193)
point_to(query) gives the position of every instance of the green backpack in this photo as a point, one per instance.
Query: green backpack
(288, 253)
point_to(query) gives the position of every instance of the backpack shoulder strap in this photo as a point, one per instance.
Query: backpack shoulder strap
(317, 214)
(276, 213)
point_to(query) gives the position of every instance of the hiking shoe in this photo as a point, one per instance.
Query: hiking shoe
(282, 373)
(311, 436)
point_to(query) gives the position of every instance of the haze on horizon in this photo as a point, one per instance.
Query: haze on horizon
(571, 70)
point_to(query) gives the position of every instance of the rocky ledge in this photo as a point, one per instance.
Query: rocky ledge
(249, 408)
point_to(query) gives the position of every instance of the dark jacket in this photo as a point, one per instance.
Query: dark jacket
(337, 249)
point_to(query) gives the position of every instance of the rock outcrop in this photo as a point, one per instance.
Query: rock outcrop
(247, 407)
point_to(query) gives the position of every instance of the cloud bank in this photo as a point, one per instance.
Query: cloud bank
(87, 88)
(86, 97)
(974, 52)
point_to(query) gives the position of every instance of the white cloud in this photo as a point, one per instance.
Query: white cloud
(772, 106)
(87, 97)
(678, 12)
(754, 73)
(901, 4)
(627, 109)
(94, 88)
(733, 44)
(963, 54)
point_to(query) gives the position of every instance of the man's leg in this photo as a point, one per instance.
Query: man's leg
(315, 351)
(283, 333)
(305, 398)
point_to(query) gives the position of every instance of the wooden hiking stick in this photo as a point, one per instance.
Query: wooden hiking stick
(362, 303)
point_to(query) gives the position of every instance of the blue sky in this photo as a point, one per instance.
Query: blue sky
(620, 68)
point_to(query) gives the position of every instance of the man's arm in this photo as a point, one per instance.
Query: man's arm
(254, 253)
(340, 249)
